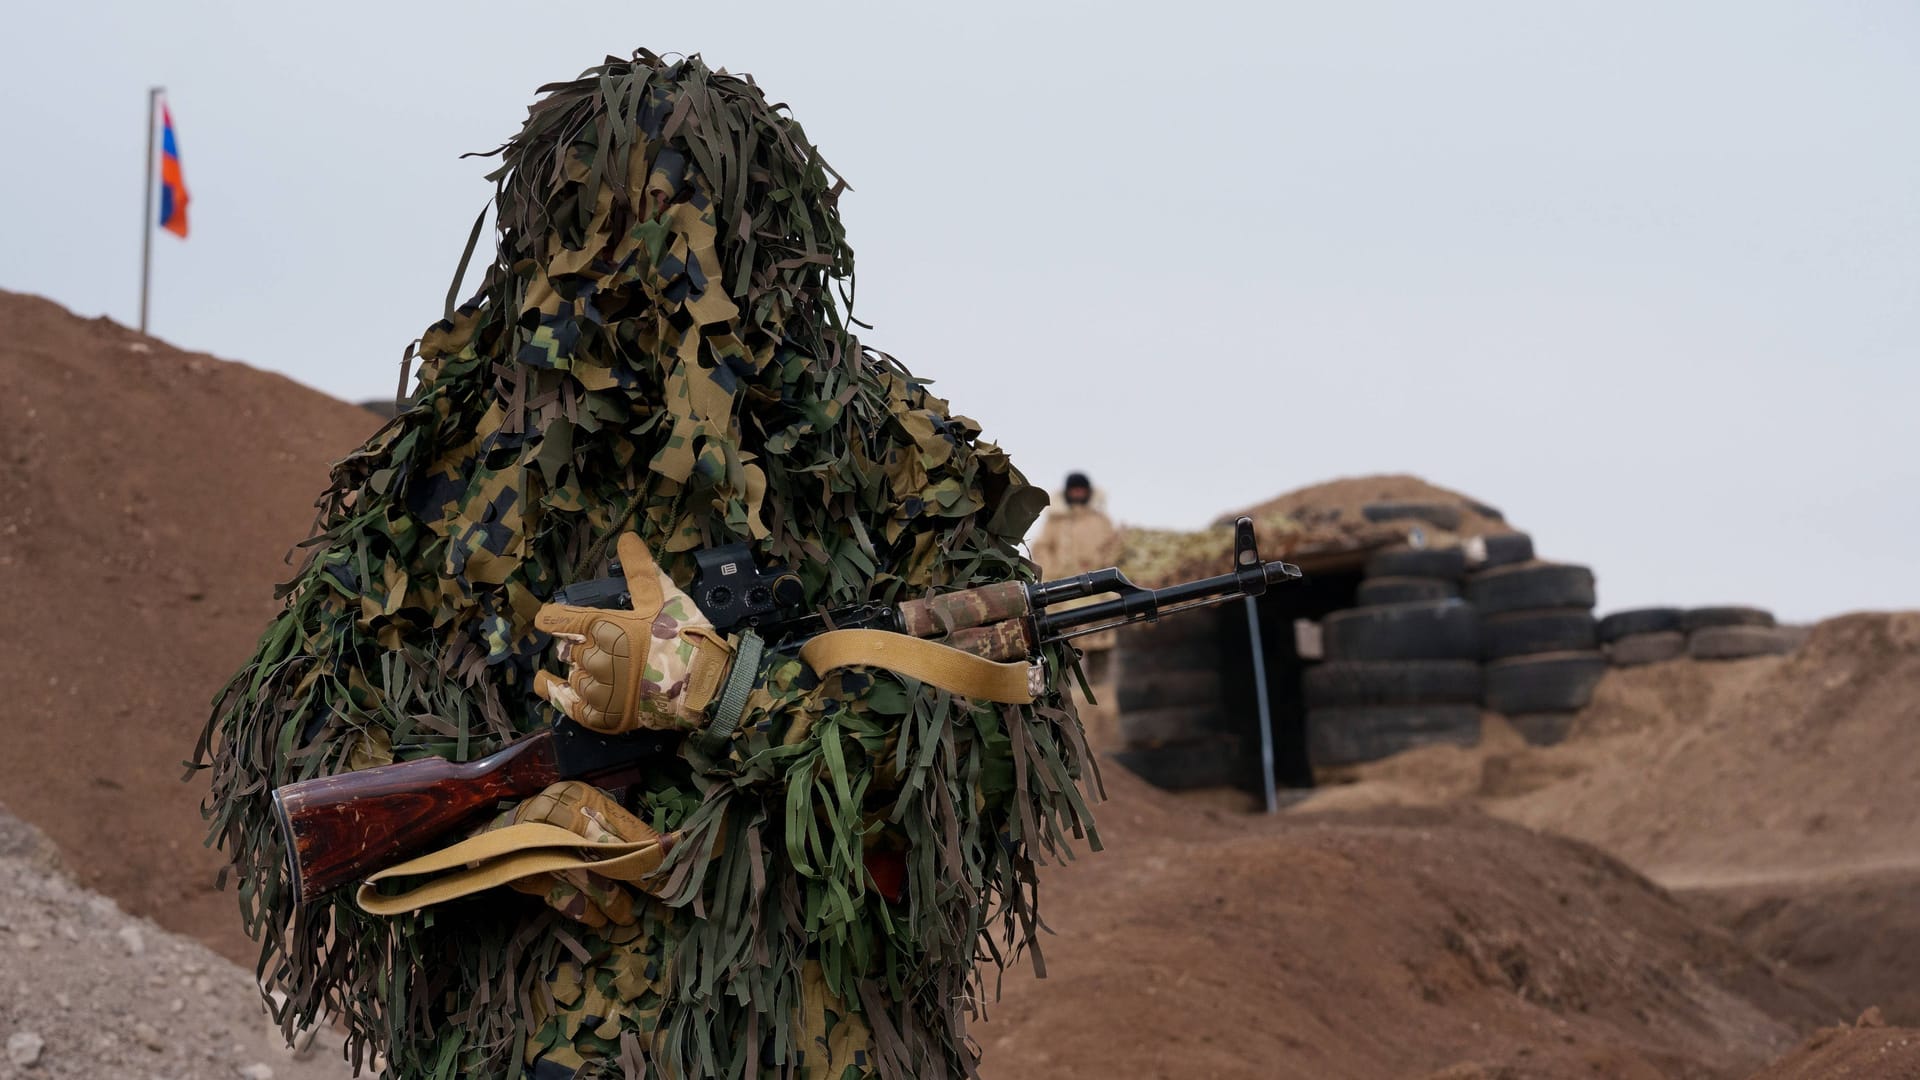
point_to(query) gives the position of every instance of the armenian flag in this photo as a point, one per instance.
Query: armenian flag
(173, 188)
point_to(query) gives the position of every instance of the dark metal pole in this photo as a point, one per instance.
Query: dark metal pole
(1266, 712)
(146, 212)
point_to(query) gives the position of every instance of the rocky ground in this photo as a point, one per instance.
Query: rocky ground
(88, 991)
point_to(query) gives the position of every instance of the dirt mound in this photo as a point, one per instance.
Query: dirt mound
(1777, 793)
(1856, 934)
(1394, 943)
(1866, 1051)
(1346, 499)
(1715, 773)
(89, 992)
(147, 499)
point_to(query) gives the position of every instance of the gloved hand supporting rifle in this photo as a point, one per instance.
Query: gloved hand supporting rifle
(651, 663)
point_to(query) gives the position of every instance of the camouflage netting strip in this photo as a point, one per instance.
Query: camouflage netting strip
(655, 343)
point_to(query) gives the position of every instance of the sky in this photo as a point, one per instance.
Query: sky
(1646, 275)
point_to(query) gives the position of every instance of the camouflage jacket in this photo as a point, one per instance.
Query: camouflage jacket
(1073, 540)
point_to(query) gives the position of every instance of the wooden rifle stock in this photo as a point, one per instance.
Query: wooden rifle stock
(341, 828)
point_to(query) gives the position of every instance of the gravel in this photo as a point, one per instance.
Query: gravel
(87, 991)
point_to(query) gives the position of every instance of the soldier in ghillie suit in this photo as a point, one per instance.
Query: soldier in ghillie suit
(656, 354)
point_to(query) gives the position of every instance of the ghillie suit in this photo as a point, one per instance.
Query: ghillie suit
(655, 347)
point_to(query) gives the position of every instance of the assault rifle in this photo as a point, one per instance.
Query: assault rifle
(341, 828)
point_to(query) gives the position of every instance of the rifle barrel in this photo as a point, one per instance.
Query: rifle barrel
(1142, 605)
(339, 828)
(1092, 583)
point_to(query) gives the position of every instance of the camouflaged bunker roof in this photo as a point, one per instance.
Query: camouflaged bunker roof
(1325, 527)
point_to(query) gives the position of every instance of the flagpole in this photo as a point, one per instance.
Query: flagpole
(146, 213)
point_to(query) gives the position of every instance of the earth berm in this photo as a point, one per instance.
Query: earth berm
(146, 502)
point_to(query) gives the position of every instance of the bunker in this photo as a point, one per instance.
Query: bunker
(1185, 686)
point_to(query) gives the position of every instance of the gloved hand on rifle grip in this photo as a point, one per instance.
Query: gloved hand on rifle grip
(657, 666)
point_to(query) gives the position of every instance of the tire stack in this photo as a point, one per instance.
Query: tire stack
(1735, 633)
(1649, 635)
(1174, 720)
(1402, 669)
(1538, 638)
(1643, 636)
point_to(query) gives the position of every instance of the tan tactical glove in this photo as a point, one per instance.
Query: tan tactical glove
(580, 894)
(571, 845)
(658, 666)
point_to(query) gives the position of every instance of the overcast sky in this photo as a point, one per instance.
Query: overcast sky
(1643, 274)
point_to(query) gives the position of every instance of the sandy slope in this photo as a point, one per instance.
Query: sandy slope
(147, 500)
(1868, 1050)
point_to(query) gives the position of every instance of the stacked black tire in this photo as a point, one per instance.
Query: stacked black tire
(1643, 636)
(1538, 638)
(1400, 670)
(1650, 635)
(1174, 720)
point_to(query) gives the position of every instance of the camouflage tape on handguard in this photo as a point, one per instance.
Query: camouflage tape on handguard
(656, 341)
(935, 616)
(1009, 640)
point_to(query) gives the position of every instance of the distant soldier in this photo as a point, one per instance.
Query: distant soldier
(1076, 537)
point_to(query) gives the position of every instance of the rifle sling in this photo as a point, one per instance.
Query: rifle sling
(929, 661)
(504, 855)
(499, 856)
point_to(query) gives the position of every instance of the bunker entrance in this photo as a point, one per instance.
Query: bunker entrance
(1312, 598)
(1188, 706)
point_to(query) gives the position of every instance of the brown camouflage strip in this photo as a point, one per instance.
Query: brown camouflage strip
(1004, 641)
(936, 616)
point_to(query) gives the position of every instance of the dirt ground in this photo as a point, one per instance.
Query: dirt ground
(1385, 943)
(148, 498)
(1712, 773)
(1775, 795)
(1857, 934)
(1867, 1050)
(1397, 927)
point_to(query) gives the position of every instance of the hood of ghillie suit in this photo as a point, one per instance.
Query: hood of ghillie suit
(659, 344)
